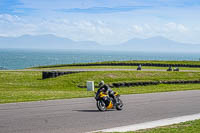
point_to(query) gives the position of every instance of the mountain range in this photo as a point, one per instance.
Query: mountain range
(159, 44)
(44, 42)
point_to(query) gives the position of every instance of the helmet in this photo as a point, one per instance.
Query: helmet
(101, 83)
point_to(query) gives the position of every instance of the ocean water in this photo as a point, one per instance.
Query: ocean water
(22, 58)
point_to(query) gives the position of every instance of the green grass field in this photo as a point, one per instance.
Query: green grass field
(126, 62)
(111, 67)
(185, 127)
(18, 86)
(75, 66)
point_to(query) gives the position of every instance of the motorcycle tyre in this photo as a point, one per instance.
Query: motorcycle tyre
(100, 106)
(120, 105)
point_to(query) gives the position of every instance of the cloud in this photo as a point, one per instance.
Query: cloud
(25, 7)
(175, 27)
(170, 27)
(95, 30)
(137, 28)
(12, 25)
(96, 10)
(105, 3)
(182, 28)
(8, 18)
(171, 30)
(107, 22)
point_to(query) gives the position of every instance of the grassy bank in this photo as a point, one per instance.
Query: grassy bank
(126, 62)
(19, 86)
(185, 127)
(110, 67)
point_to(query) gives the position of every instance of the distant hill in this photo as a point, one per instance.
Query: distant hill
(45, 42)
(158, 44)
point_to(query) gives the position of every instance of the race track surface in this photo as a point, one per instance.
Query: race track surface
(81, 115)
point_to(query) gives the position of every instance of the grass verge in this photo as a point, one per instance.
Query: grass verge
(18, 86)
(111, 67)
(127, 62)
(185, 127)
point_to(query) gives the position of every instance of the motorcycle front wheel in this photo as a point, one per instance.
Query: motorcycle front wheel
(101, 105)
(120, 105)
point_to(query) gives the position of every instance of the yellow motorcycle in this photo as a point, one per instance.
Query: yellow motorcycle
(105, 102)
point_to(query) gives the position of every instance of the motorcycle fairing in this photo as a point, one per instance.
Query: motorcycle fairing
(110, 105)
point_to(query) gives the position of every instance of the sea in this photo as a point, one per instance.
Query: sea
(12, 59)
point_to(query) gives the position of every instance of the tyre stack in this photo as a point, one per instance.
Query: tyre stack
(54, 74)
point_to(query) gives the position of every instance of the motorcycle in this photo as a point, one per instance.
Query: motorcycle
(105, 102)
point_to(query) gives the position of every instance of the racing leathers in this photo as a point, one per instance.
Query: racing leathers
(106, 89)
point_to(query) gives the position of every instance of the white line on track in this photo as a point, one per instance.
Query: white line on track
(152, 124)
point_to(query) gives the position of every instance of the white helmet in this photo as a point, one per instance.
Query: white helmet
(101, 83)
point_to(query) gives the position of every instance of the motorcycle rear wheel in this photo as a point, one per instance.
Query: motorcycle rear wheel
(101, 105)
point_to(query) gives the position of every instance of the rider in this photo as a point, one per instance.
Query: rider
(105, 88)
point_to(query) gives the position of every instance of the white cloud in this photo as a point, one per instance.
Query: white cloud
(11, 25)
(182, 28)
(170, 30)
(9, 18)
(172, 26)
(104, 32)
(137, 28)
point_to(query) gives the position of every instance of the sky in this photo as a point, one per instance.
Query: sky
(107, 22)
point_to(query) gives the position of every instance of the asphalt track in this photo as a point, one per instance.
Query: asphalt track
(81, 115)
